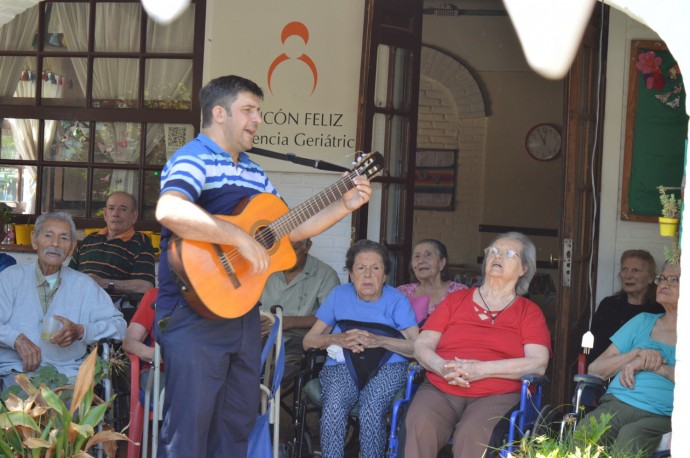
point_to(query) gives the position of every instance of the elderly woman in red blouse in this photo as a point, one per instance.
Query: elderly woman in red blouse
(475, 346)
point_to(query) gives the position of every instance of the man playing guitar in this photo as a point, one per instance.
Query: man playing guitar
(212, 365)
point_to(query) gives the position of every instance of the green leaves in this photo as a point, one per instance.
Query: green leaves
(44, 426)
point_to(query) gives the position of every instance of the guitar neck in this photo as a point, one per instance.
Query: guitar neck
(298, 215)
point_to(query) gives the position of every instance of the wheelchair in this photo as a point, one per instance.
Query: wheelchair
(306, 402)
(588, 390)
(524, 418)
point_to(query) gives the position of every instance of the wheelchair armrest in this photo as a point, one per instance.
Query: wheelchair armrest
(534, 379)
(591, 380)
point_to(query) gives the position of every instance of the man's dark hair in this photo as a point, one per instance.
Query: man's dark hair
(223, 91)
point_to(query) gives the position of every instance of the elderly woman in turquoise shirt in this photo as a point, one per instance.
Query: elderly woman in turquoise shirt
(642, 360)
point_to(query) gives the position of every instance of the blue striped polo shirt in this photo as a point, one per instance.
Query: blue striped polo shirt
(207, 176)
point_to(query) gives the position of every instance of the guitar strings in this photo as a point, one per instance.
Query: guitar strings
(282, 226)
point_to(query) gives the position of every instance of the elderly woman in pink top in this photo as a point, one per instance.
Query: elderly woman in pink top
(429, 266)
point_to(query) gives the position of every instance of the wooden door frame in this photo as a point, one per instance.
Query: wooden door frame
(580, 220)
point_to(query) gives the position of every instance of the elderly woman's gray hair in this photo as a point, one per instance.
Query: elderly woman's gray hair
(528, 256)
(60, 216)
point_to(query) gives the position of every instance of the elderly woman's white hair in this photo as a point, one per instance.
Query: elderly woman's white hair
(528, 256)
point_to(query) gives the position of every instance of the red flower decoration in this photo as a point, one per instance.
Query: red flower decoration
(656, 80)
(647, 62)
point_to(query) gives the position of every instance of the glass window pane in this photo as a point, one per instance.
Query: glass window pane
(15, 75)
(61, 85)
(118, 27)
(168, 84)
(20, 32)
(118, 142)
(175, 37)
(378, 133)
(27, 189)
(152, 187)
(398, 150)
(382, 62)
(115, 83)
(108, 181)
(397, 269)
(67, 141)
(9, 184)
(64, 189)
(67, 28)
(400, 78)
(395, 208)
(8, 149)
(162, 140)
(25, 135)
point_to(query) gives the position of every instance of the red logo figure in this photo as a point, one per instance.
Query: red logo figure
(290, 30)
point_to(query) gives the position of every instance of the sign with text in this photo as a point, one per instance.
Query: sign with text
(305, 55)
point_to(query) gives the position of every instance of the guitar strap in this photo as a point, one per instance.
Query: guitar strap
(292, 157)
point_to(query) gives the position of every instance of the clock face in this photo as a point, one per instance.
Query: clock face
(543, 142)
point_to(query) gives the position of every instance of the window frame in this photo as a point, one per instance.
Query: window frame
(143, 116)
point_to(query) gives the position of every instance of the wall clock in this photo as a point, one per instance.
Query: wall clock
(543, 142)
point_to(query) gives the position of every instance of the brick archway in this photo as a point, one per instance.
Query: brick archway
(457, 79)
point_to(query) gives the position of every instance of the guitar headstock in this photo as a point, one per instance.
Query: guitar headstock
(369, 164)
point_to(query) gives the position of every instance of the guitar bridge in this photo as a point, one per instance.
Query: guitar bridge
(227, 266)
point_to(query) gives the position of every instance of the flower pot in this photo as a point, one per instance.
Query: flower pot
(22, 233)
(668, 226)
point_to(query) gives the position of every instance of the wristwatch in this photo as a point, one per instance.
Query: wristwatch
(111, 287)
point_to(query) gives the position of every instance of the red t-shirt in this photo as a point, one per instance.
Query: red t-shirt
(144, 316)
(467, 336)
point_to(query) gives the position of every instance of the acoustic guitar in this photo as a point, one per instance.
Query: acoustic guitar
(215, 279)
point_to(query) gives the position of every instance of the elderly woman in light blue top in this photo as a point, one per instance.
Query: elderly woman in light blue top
(642, 360)
(369, 302)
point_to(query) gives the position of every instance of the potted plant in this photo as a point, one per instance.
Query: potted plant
(670, 213)
(672, 252)
(584, 442)
(45, 425)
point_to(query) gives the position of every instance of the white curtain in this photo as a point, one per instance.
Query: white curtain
(25, 133)
(16, 35)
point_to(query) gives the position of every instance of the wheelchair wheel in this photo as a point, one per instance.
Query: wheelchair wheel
(544, 424)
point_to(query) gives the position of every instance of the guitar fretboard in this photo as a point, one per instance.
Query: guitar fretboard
(298, 215)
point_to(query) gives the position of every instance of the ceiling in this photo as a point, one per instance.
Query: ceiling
(10, 8)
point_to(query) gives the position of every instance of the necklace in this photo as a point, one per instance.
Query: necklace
(494, 315)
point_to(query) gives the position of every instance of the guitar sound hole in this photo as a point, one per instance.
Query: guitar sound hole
(266, 237)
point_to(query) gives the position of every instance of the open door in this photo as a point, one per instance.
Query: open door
(387, 122)
(579, 239)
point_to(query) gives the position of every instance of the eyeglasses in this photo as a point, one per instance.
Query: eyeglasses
(493, 251)
(671, 280)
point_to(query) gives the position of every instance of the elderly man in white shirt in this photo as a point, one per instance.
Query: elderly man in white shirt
(33, 293)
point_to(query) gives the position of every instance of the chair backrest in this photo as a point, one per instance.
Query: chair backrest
(138, 415)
